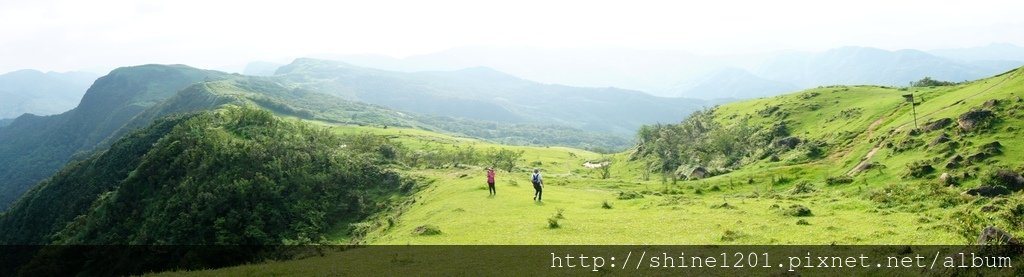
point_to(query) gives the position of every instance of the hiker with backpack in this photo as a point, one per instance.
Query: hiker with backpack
(538, 184)
(490, 181)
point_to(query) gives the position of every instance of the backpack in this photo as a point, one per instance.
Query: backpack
(536, 178)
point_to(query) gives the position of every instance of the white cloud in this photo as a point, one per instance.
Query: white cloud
(68, 34)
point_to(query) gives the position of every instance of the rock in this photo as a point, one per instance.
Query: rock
(954, 162)
(994, 236)
(974, 119)
(993, 148)
(937, 124)
(988, 191)
(991, 103)
(788, 142)
(943, 138)
(1008, 179)
(918, 170)
(977, 157)
(946, 179)
(698, 173)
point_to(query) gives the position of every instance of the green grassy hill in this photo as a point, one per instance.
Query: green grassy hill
(761, 188)
(832, 165)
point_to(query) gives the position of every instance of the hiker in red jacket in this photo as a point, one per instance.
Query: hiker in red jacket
(490, 181)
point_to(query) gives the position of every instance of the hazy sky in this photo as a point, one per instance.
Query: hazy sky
(66, 35)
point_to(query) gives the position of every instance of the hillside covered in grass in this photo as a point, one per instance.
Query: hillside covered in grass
(842, 164)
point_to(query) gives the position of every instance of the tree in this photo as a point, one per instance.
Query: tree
(606, 169)
(503, 158)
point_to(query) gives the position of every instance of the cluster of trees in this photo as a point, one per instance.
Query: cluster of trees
(440, 156)
(929, 82)
(236, 176)
(34, 148)
(530, 134)
(702, 141)
(233, 176)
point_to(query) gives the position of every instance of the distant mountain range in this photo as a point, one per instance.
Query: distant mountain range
(991, 52)
(35, 92)
(677, 73)
(476, 102)
(860, 65)
(733, 83)
(486, 94)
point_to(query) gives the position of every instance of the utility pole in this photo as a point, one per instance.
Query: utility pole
(913, 106)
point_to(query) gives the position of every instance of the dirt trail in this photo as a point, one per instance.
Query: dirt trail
(870, 131)
(878, 146)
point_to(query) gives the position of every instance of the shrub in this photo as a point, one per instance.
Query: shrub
(606, 205)
(427, 230)
(730, 235)
(802, 188)
(558, 214)
(802, 222)
(626, 195)
(968, 224)
(798, 210)
(837, 180)
(553, 223)
(723, 206)
(919, 169)
(781, 180)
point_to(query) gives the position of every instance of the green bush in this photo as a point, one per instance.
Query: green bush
(426, 230)
(626, 195)
(798, 211)
(837, 180)
(803, 187)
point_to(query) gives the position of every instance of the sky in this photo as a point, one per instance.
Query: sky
(97, 35)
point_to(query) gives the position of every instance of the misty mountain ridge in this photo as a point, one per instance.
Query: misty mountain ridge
(677, 73)
(35, 92)
(732, 83)
(487, 94)
(991, 52)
